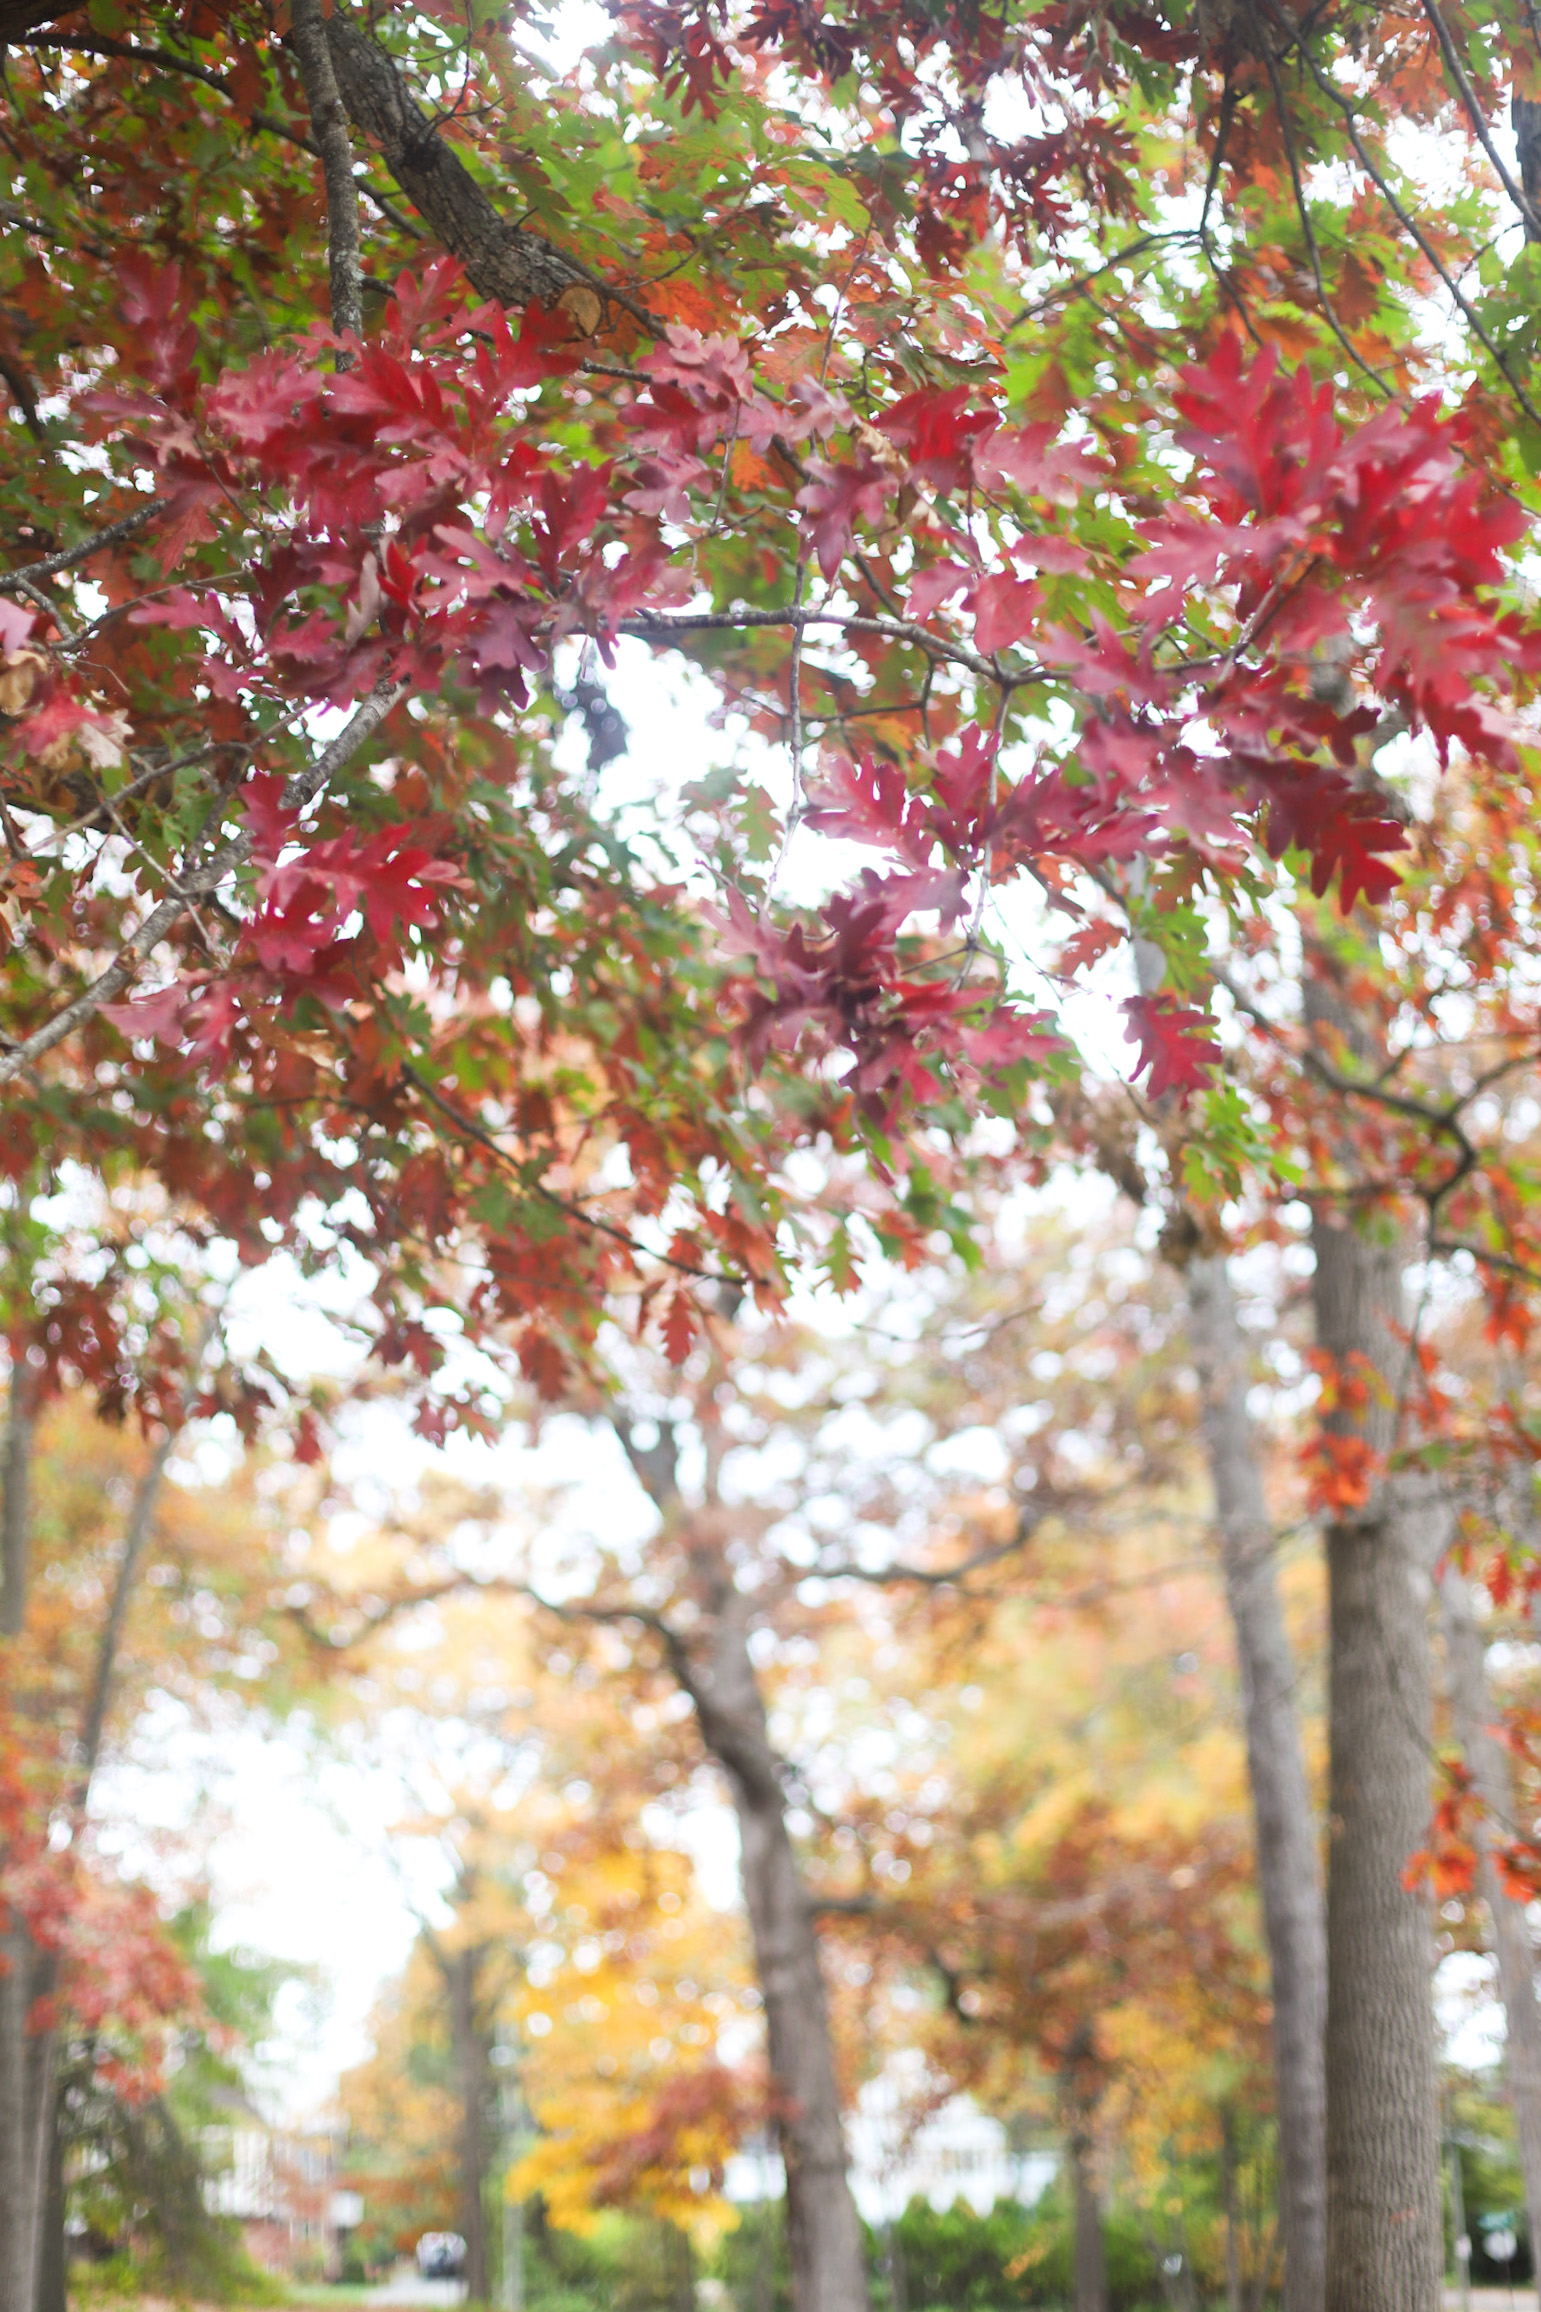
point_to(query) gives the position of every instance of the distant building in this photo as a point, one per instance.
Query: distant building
(954, 2152)
(279, 2184)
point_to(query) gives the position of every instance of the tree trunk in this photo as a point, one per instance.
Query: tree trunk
(469, 2042)
(25, 2110)
(136, 1538)
(1091, 2263)
(53, 2264)
(1288, 1860)
(1466, 1667)
(824, 2235)
(1385, 2246)
(1385, 2218)
(15, 1503)
(898, 2274)
(28, 2086)
(23, 2069)
(1232, 2216)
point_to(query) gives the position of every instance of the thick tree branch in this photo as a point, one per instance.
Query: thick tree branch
(502, 260)
(329, 124)
(738, 1747)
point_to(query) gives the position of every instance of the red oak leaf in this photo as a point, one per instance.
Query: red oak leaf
(679, 1327)
(838, 497)
(1172, 1041)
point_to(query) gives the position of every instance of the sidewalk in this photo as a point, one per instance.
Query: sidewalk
(404, 2287)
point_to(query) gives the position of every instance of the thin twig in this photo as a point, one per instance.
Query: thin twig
(44, 602)
(167, 60)
(664, 622)
(1479, 330)
(199, 884)
(1468, 96)
(484, 1139)
(68, 556)
(1303, 210)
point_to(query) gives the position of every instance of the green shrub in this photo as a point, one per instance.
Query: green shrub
(957, 2261)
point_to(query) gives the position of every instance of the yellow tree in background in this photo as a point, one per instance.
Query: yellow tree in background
(572, 2009)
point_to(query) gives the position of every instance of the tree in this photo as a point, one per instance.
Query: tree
(132, 2160)
(1472, 1710)
(566, 1976)
(1288, 1857)
(579, 1970)
(133, 1583)
(1101, 1127)
(790, 1475)
(1384, 1085)
(1058, 1857)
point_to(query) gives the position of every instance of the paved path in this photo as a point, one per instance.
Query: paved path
(405, 2287)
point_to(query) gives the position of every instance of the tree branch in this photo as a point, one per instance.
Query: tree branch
(16, 1499)
(484, 1139)
(1303, 210)
(68, 556)
(167, 60)
(658, 623)
(1473, 110)
(1463, 304)
(136, 1539)
(265, 123)
(935, 1577)
(502, 260)
(329, 123)
(121, 972)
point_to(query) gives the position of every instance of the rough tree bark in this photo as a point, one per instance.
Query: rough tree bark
(1078, 2100)
(21, 2082)
(1385, 2244)
(1091, 2262)
(1288, 1859)
(1471, 1709)
(503, 261)
(329, 126)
